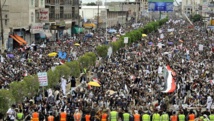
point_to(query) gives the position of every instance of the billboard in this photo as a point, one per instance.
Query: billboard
(160, 5)
(44, 14)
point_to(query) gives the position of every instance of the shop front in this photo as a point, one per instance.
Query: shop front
(37, 31)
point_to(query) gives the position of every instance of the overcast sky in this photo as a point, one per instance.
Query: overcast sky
(87, 1)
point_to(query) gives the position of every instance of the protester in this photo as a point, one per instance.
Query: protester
(134, 79)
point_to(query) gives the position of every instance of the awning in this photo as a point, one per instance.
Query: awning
(48, 34)
(20, 39)
(42, 35)
(20, 43)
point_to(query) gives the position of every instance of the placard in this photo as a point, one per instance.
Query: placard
(126, 40)
(200, 47)
(43, 78)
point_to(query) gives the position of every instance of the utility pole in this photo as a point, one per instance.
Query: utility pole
(2, 29)
(98, 9)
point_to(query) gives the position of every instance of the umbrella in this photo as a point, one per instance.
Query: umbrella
(95, 84)
(150, 43)
(77, 44)
(170, 43)
(111, 92)
(144, 35)
(10, 55)
(53, 54)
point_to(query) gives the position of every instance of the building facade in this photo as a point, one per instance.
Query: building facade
(5, 22)
(62, 15)
(36, 20)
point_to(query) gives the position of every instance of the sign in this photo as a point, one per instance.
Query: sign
(43, 78)
(212, 22)
(126, 40)
(200, 47)
(44, 14)
(205, 7)
(161, 6)
(36, 28)
(61, 23)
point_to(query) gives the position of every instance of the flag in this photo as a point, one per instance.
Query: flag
(170, 84)
(96, 80)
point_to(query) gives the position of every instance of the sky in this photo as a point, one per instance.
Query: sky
(88, 1)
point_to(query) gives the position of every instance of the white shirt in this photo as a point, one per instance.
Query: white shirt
(11, 113)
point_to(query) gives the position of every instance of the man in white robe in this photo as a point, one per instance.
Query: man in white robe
(63, 85)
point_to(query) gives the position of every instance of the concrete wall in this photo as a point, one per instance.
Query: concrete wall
(89, 12)
(19, 13)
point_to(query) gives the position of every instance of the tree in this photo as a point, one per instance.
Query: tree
(18, 90)
(84, 62)
(53, 78)
(196, 18)
(91, 4)
(102, 50)
(32, 84)
(74, 68)
(6, 100)
(63, 70)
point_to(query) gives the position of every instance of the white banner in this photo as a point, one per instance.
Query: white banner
(201, 47)
(43, 78)
(126, 40)
(36, 28)
(44, 14)
(170, 30)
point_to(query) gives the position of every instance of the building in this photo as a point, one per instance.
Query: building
(192, 7)
(62, 15)
(5, 19)
(21, 18)
(90, 12)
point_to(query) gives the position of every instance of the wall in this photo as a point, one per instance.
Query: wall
(89, 12)
(19, 13)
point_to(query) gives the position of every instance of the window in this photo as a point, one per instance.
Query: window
(5, 22)
(42, 2)
(32, 17)
(32, 2)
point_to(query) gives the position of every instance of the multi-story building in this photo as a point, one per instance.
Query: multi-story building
(62, 14)
(22, 21)
(5, 20)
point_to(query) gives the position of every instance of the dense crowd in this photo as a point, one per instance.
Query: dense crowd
(132, 80)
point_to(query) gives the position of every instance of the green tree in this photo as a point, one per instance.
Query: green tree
(102, 50)
(74, 68)
(84, 62)
(53, 78)
(19, 91)
(63, 70)
(6, 100)
(91, 4)
(93, 58)
(32, 84)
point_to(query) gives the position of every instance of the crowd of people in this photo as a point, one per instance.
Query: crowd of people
(131, 80)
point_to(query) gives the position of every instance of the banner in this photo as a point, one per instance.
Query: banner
(43, 78)
(161, 6)
(44, 14)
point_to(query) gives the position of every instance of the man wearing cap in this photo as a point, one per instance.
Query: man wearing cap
(113, 115)
(146, 116)
(77, 115)
(126, 116)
